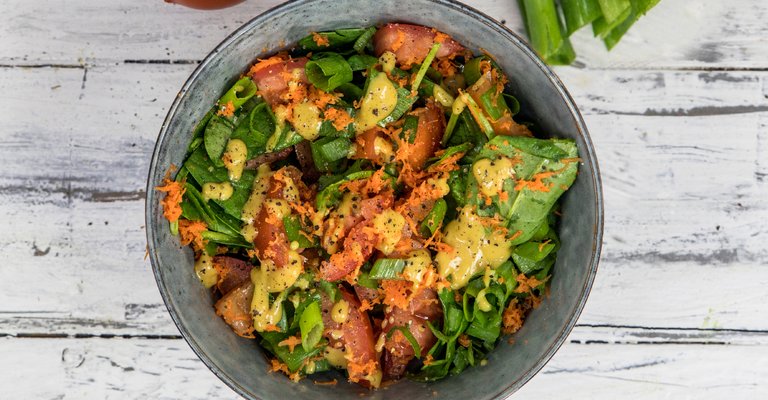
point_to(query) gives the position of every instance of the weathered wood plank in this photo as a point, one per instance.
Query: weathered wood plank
(700, 35)
(167, 369)
(684, 202)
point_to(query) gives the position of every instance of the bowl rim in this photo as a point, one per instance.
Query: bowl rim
(500, 29)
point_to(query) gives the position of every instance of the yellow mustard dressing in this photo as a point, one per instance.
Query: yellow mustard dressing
(473, 249)
(306, 120)
(340, 311)
(270, 279)
(217, 191)
(205, 271)
(335, 223)
(389, 224)
(490, 174)
(335, 357)
(387, 61)
(234, 158)
(252, 206)
(377, 104)
(416, 265)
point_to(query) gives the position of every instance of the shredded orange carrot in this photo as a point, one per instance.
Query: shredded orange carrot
(570, 160)
(278, 366)
(272, 328)
(525, 284)
(445, 67)
(320, 40)
(512, 319)
(332, 382)
(191, 232)
(172, 201)
(537, 183)
(226, 110)
(516, 235)
(542, 244)
(464, 340)
(428, 360)
(291, 342)
(399, 42)
(266, 63)
(441, 37)
(322, 98)
(395, 292)
(361, 370)
(340, 118)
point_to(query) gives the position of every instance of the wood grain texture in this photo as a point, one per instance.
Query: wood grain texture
(709, 34)
(88, 193)
(168, 369)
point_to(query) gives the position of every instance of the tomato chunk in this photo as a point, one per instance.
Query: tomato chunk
(273, 74)
(411, 43)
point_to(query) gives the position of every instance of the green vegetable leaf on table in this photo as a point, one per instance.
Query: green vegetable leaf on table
(548, 34)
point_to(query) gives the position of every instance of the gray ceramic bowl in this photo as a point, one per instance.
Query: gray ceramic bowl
(239, 362)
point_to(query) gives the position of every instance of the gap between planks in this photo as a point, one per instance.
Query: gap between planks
(584, 334)
(576, 65)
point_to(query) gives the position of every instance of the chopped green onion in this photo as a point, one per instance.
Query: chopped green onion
(362, 41)
(240, 92)
(408, 336)
(174, 226)
(335, 149)
(477, 113)
(543, 26)
(579, 13)
(434, 218)
(602, 27)
(329, 72)
(387, 268)
(405, 100)
(364, 280)
(311, 326)
(614, 9)
(424, 67)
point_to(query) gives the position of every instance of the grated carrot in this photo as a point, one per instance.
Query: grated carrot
(291, 342)
(395, 292)
(320, 40)
(191, 232)
(340, 118)
(399, 42)
(172, 201)
(512, 318)
(226, 110)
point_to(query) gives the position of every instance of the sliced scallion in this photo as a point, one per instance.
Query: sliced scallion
(387, 268)
(311, 326)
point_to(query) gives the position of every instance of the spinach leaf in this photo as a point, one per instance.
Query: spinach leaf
(361, 62)
(216, 136)
(337, 38)
(531, 256)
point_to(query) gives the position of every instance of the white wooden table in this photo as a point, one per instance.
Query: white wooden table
(678, 113)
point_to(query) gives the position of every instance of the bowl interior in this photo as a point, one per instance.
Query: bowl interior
(240, 362)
